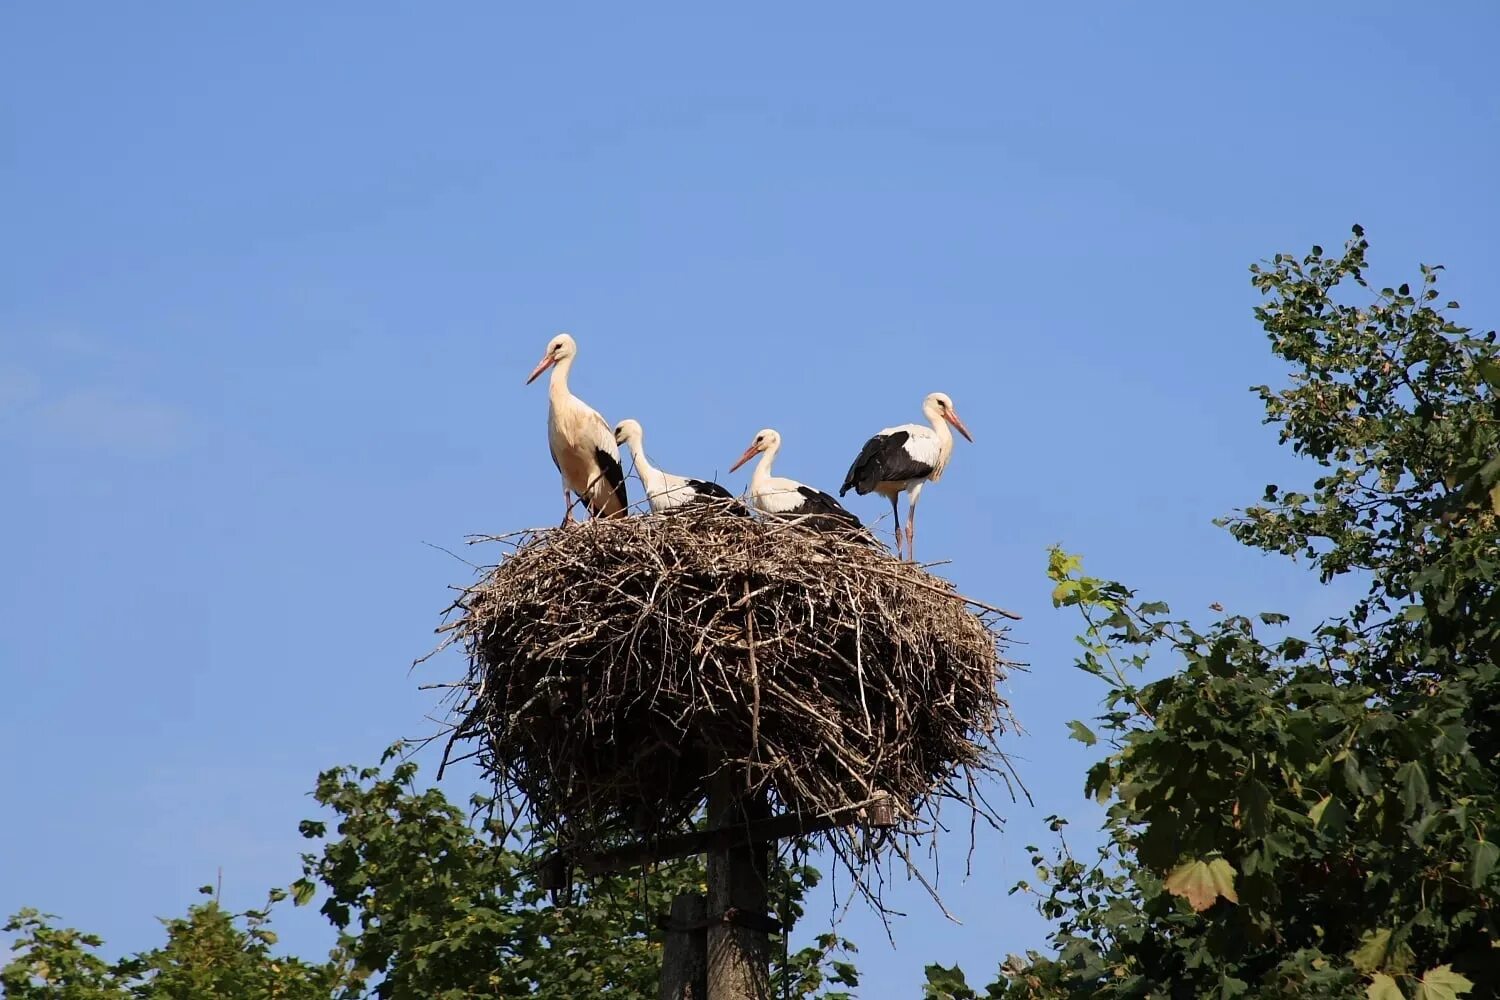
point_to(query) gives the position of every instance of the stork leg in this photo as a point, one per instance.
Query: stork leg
(567, 506)
(911, 523)
(896, 513)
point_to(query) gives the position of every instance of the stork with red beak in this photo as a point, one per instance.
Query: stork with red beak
(583, 447)
(904, 459)
(787, 498)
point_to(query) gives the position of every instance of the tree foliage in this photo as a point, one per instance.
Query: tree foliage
(431, 905)
(428, 902)
(1309, 816)
(209, 953)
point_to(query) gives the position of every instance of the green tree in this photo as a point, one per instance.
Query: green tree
(214, 953)
(53, 963)
(427, 905)
(210, 953)
(1309, 816)
(430, 905)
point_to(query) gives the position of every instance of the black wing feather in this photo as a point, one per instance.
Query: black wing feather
(823, 512)
(705, 491)
(709, 490)
(614, 478)
(883, 459)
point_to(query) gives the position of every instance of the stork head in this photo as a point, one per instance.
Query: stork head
(559, 348)
(766, 440)
(628, 431)
(938, 406)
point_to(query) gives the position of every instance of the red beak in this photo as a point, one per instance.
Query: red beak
(952, 418)
(750, 453)
(542, 366)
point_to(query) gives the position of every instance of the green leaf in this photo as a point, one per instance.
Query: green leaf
(303, 891)
(1372, 950)
(1355, 776)
(1483, 856)
(1413, 783)
(1083, 734)
(946, 984)
(1202, 883)
(1419, 830)
(1442, 983)
(1100, 782)
(1329, 815)
(1231, 987)
(1383, 987)
(1316, 812)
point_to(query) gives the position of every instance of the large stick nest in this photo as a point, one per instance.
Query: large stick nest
(617, 666)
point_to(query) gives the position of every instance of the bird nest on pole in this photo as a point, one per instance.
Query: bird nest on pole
(619, 668)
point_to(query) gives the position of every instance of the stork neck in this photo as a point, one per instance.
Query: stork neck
(763, 467)
(941, 429)
(944, 442)
(638, 455)
(557, 385)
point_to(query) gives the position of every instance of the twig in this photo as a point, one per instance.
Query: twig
(955, 595)
(754, 677)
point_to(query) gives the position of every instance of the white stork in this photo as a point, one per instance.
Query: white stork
(582, 447)
(664, 491)
(904, 459)
(787, 498)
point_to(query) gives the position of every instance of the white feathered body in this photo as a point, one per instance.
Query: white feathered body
(925, 448)
(583, 449)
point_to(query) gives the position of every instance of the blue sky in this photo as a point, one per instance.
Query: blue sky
(271, 278)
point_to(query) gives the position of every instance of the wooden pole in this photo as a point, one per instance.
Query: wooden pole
(684, 956)
(739, 956)
(686, 845)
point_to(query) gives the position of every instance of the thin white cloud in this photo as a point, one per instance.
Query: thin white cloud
(98, 418)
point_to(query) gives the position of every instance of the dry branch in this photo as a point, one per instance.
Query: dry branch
(686, 845)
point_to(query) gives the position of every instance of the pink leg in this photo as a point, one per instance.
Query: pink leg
(911, 530)
(567, 507)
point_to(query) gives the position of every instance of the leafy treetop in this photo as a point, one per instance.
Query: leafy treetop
(1308, 816)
